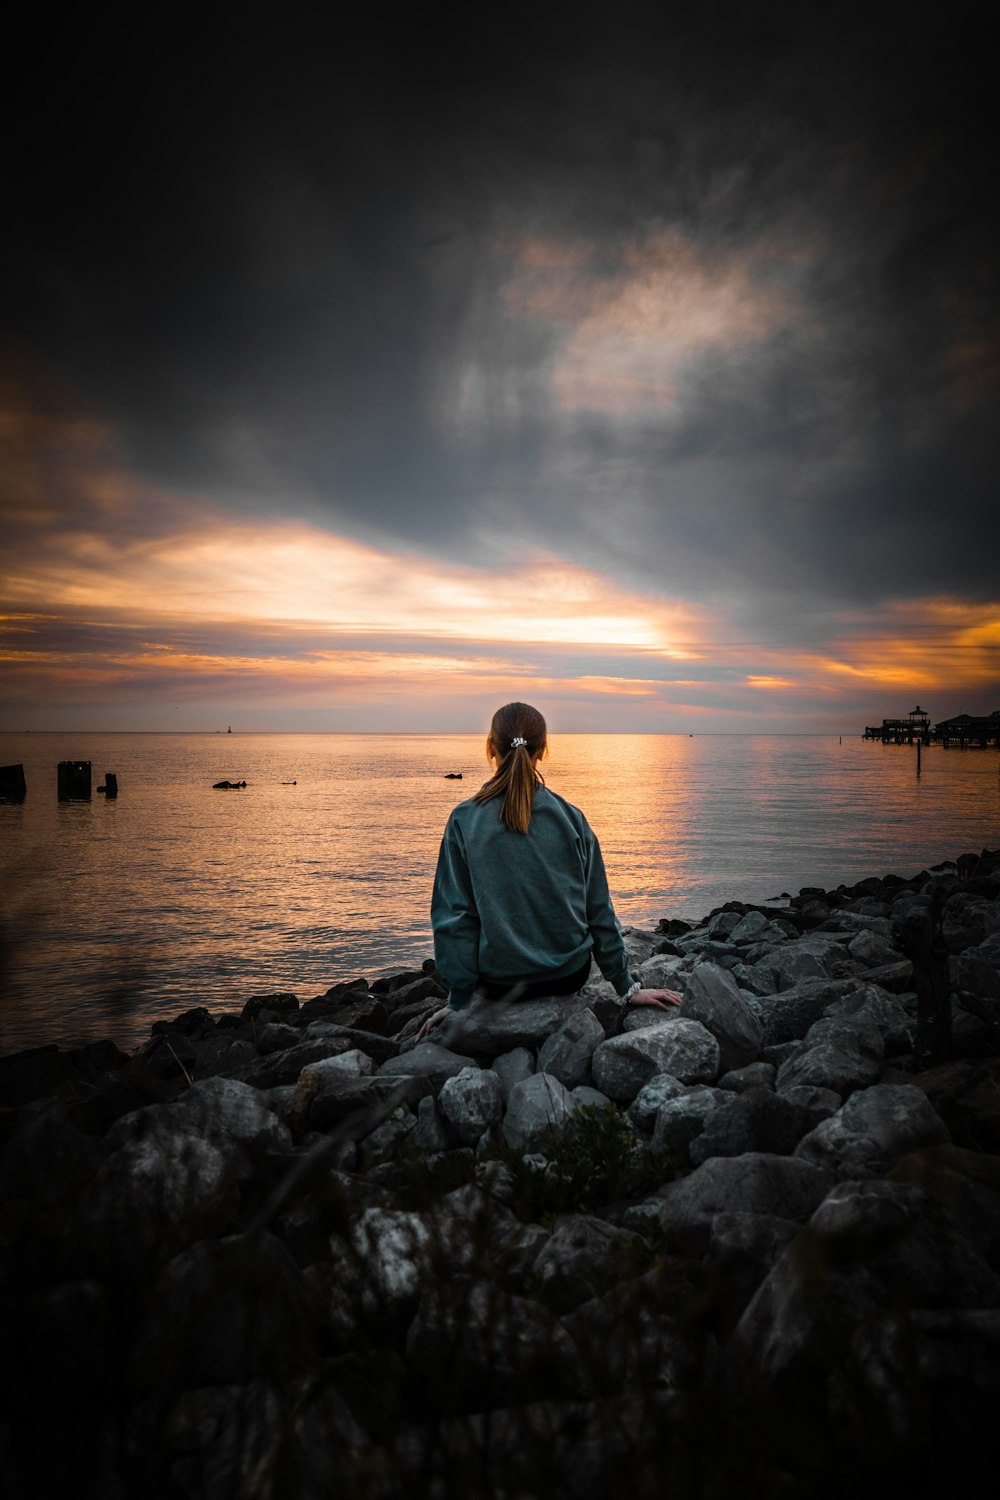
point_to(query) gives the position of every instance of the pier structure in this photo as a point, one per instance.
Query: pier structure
(978, 730)
(915, 727)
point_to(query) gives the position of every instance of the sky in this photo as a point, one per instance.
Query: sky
(640, 364)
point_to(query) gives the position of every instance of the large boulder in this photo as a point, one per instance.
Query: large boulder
(834, 1054)
(681, 1119)
(787, 1016)
(756, 1120)
(869, 1246)
(223, 1109)
(471, 1102)
(873, 1006)
(485, 1028)
(567, 1053)
(583, 1257)
(679, 1046)
(757, 1183)
(429, 1060)
(533, 1107)
(513, 1067)
(713, 997)
(873, 1130)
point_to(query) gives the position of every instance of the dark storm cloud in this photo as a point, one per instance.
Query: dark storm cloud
(271, 262)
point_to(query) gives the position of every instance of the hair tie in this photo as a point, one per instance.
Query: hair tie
(517, 740)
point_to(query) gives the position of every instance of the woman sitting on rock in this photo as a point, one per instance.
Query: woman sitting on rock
(521, 901)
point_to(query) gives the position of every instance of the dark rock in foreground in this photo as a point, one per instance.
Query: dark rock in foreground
(551, 1250)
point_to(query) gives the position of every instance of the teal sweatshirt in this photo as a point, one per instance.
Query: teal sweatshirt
(513, 906)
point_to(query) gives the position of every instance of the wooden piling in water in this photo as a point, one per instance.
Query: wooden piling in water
(13, 787)
(74, 781)
(110, 787)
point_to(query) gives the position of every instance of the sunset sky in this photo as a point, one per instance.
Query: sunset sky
(645, 369)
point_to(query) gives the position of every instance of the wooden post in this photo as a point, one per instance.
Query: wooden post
(110, 787)
(922, 940)
(74, 781)
(918, 757)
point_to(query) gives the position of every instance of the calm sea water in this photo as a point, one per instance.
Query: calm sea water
(113, 914)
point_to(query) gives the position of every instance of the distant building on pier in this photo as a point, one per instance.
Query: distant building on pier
(916, 726)
(962, 730)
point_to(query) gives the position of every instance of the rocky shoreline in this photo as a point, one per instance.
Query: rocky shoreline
(553, 1250)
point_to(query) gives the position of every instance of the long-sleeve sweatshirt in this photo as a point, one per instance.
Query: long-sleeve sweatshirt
(511, 906)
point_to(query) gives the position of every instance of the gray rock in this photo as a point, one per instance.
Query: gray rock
(870, 1133)
(967, 920)
(869, 1246)
(756, 928)
(513, 1067)
(639, 1017)
(583, 1257)
(471, 1102)
(754, 1076)
(872, 949)
(533, 1106)
(835, 1055)
(391, 1138)
(585, 1097)
(284, 1067)
(723, 924)
(679, 1046)
(394, 1245)
(496, 1346)
(788, 1016)
(873, 1006)
(566, 1054)
(222, 1109)
(651, 1097)
(713, 997)
(429, 1135)
(680, 1120)
(427, 1060)
(485, 1028)
(756, 1183)
(758, 1120)
(976, 970)
(661, 972)
(352, 1102)
(818, 1103)
(743, 1249)
(379, 1048)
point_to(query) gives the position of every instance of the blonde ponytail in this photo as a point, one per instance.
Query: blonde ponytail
(517, 738)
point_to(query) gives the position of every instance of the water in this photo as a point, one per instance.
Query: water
(114, 914)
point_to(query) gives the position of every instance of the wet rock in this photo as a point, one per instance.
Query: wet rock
(713, 997)
(678, 1046)
(533, 1107)
(471, 1102)
(567, 1053)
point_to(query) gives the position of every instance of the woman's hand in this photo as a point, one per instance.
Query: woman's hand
(432, 1021)
(662, 999)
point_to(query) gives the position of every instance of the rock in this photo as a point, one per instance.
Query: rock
(275, 1036)
(225, 1312)
(352, 1102)
(869, 1246)
(475, 1345)
(486, 1028)
(966, 1095)
(389, 1140)
(681, 1119)
(967, 920)
(533, 1106)
(873, 1130)
(834, 1055)
(584, 1097)
(646, 1105)
(394, 1247)
(712, 997)
(754, 1075)
(871, 949)
(967, 1182)
(158, 1194)
(427, 1060)
(756, 928)
(757, 1183)
(976, 970)
(421, 988)
(429, 1135)
(284, 1067)
(819, 1104)
(279, 1003)
(223, 1109)
(379, 1048)
(678, 1046)
(757, 1120)
(661, 972)
(471, 1102)
(788, 1016)
(873, 1006)
(566, 1054)
(743, 1249)
(723, 924)
(513, 1067)
(583, 1257)
(360, 1011)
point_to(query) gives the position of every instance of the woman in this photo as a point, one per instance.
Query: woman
(521, 901)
